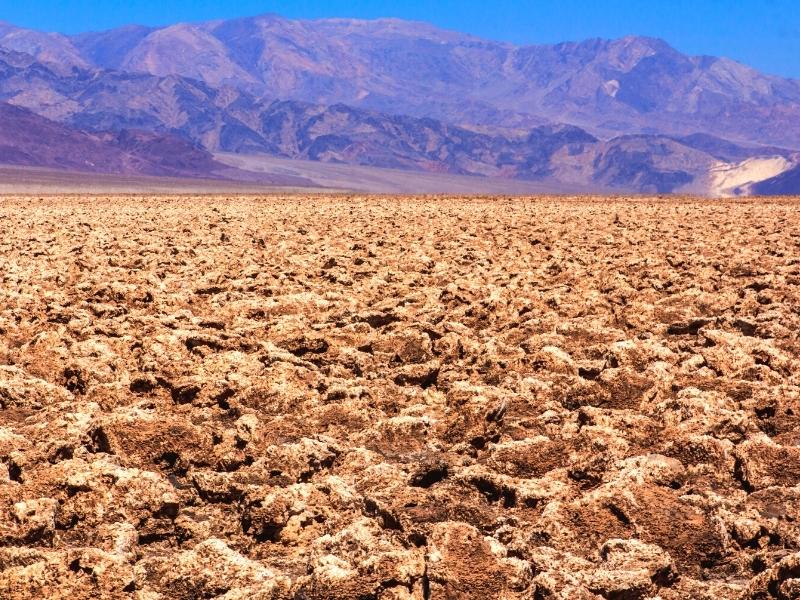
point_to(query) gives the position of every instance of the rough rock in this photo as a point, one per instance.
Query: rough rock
(399, 399)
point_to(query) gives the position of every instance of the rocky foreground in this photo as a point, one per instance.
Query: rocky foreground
(342, 398)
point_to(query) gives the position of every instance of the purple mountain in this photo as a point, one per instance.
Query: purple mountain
(632, 113)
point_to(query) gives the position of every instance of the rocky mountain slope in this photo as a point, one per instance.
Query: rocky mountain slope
(27, 139)
(235, 121)
(393, 94)
(786, 183)
(630, 85)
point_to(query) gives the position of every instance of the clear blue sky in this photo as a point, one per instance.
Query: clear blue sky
(762, 33)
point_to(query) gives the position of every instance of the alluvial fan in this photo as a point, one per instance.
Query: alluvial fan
(399, 398)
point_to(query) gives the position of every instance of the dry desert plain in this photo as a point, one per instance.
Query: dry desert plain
(399, 398)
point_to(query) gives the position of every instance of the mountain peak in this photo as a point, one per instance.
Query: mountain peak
(643, 41)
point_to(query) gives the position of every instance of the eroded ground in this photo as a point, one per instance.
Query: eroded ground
(398, 398)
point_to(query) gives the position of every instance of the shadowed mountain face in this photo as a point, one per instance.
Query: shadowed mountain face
(30, 140)
(785, 184)
(728, 151)
(389, 93)
(27, 139)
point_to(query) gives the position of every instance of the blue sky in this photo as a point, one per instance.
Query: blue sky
(762, 33)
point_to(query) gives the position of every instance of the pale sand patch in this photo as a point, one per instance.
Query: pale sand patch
(734, 179)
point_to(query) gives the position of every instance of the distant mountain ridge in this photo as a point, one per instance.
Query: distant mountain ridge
(633, 114)
(27, 139)
(630, 85)
(31, 140)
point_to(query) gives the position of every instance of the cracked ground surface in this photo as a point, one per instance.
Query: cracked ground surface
(381, 398)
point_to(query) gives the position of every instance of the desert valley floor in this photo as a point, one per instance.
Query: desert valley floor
(399, 398)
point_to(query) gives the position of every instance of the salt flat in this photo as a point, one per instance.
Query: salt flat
(399, 398)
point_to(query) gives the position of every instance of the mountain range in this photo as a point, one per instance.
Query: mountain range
(633, 114)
